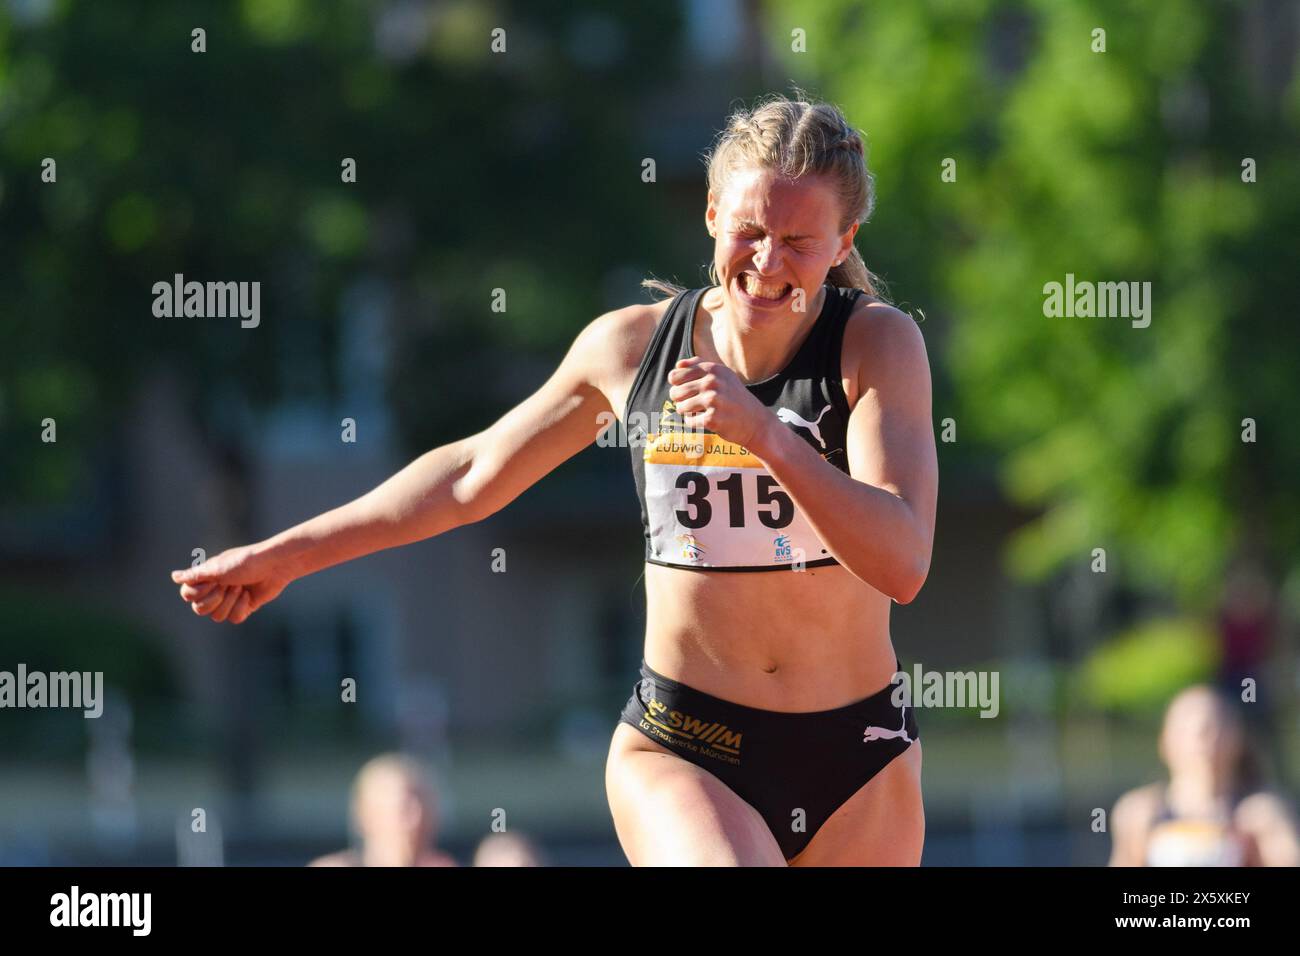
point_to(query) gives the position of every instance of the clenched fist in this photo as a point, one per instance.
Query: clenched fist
(232, 585)
(709, 395)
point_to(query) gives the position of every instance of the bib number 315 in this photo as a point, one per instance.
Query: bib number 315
(699, 510)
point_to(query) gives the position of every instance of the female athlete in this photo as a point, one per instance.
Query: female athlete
(1214, 810)
(781, 439)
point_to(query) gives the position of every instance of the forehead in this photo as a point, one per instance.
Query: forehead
(1195, 708)
(806, 204)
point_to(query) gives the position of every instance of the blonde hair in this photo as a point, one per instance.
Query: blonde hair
(794, 138)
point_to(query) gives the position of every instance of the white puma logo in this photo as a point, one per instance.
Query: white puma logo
(880, 733)
(792, 418)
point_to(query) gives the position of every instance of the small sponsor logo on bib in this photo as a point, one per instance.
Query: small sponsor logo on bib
(691, 550)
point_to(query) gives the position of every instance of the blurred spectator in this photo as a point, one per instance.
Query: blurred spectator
(1214, 810)
(507, 849)
(1246, 622)
(394, 816)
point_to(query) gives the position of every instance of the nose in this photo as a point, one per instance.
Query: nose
(766, 259)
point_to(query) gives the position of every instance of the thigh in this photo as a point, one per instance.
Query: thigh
(668, 812)
(883, 824)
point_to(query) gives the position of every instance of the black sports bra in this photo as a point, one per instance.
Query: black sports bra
(707, 503)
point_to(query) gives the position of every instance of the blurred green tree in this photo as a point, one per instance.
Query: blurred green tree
(474, 170)
(1123, 165)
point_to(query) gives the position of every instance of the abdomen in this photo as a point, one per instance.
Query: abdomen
(790, 641)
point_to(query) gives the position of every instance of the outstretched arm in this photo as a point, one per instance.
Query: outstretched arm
(454, 485)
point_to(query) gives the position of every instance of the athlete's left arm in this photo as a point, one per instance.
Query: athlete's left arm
(878, 521)
(1268, 819)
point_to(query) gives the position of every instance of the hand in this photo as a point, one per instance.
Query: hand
(234, 584)
(710, 395)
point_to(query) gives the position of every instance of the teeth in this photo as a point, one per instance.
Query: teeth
(763, 290)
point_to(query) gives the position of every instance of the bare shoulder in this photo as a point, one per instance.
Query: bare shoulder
(624, 334)
(1269, 819)
(877, 329)
(1137, 809)
(884, 349)
(1262, 810)
(614, 343)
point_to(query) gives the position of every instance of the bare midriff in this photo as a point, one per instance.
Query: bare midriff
(790, 641)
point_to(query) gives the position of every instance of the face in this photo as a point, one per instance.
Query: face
(774, 236)
(1198, 733)
(393, 809)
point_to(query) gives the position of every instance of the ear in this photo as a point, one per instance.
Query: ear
(846, 242)
(711, 216)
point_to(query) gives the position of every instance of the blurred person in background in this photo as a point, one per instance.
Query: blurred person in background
(1214, 811)
(395, 816)
(507, 849)
(1247, 620)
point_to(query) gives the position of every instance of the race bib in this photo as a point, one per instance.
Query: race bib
(712, 504)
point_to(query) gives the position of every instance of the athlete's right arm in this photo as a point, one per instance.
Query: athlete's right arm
(446, 488)
(1130, 825)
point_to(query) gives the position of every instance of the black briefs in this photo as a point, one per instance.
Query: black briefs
(779, 763)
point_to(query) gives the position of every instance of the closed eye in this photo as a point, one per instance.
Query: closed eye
(801, 241)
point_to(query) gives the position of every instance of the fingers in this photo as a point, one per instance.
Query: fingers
(227, 604)
(700, 385)
(233, 604)
(211, 569)
(691, 398)
(687, 370)
(204, 572)
(197, 592)
(243, 607)
(701, 421)
(209, 603)
(695, 404)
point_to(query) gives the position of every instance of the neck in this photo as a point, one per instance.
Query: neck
(1198, 786)
(752, 351)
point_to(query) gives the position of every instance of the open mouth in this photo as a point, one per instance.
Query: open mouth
(762, 291)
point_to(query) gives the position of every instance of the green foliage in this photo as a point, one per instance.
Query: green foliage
(1117, 166)
(1139, 670)
(472, 169)
(476, 172)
